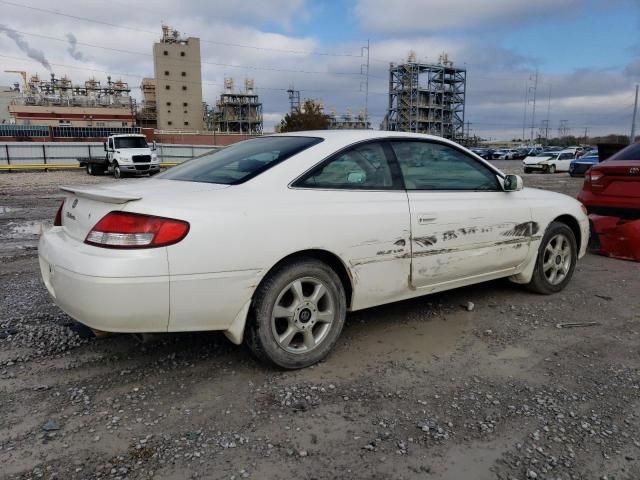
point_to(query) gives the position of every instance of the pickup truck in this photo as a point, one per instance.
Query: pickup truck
(125, 154)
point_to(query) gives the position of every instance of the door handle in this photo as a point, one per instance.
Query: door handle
(424, 218)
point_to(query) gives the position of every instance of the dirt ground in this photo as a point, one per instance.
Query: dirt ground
(423, 389)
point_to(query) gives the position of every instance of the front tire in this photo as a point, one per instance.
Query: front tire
(527, 170)
(297, 315)
(557, 257)
(89, 167)
(551, 169)
(117, 173)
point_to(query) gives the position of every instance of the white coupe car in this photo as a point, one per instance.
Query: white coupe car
(274, 239)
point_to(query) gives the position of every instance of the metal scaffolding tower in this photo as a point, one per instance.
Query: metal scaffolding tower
(427, 98)
(238, 112)
(294, 100)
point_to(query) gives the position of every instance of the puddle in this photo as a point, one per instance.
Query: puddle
(381, 338)
(21, 230)
(4, 210)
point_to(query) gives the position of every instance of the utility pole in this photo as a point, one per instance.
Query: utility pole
(586, 132)
(546, 135)
(632, 138)
(533, 110)
(526, 102)
(366, 83)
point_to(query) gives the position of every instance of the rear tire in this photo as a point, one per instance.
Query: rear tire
(89, 167)
(296, 315)
(556, 261)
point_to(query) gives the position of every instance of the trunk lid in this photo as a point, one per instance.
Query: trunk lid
(621, 178)
(85, 205)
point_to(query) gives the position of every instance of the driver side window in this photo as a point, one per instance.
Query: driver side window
(435, 166)
(364, 167)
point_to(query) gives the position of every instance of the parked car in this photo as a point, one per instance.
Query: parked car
(482, 152)
(272, 240)
(551, 149)
(612, 187)
(498, 154)
(582, 164)
(549, 162)
(508, 154)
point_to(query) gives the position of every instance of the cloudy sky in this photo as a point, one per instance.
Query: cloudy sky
(587, 52)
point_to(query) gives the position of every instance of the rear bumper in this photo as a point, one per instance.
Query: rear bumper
(132, 290)
(92, 285)
(606, 205)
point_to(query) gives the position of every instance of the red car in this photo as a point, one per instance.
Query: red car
(612, 188)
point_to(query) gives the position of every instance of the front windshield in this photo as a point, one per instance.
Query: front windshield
(241, 161)
(545, 154)
(131, 142)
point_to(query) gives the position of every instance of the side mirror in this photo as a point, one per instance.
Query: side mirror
(512, 183)
(104, 144)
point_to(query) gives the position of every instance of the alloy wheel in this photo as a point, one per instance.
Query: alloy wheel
(303, 315)
(557, 259)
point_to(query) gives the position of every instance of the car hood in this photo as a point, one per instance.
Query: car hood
(536, 160)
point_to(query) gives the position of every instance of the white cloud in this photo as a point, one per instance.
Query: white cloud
(402, 16)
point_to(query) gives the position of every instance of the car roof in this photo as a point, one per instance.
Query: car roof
(359, 135)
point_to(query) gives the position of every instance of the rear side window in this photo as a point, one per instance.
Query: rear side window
(241, 161)
(434, 166)
(632, 152)
(364, 167)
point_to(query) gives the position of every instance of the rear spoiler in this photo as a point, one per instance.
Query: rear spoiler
(102, 195)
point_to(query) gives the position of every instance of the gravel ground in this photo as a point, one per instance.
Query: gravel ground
(433, 388)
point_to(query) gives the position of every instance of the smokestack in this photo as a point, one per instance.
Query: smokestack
(24, 46)
(73, 43)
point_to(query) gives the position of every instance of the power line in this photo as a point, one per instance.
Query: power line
(135, 75)
(247, 67)
(138, 30)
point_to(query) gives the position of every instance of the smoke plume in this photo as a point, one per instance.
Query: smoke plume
(22, 44)
(73, 43)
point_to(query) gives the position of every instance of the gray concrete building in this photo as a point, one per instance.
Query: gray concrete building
(178, 75)
(6, 94)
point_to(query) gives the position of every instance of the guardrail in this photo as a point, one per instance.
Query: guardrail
(58, 155)
(64, 166)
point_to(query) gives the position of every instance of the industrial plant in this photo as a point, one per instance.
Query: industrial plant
(427, 98)
(59, 101)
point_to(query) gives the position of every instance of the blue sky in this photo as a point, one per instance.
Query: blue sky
(588, 51)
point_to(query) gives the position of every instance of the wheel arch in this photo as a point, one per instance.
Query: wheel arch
(235, 332)
(573, 224)
(325, 256)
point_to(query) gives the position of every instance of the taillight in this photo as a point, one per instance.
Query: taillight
(57, 221)
(134, 230)
(595, 175)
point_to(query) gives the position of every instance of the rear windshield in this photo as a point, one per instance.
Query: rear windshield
(131, 142)
(240, 161)
(632, 152)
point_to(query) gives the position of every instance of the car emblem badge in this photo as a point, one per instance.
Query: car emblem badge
(75, 202)
(634, 171)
